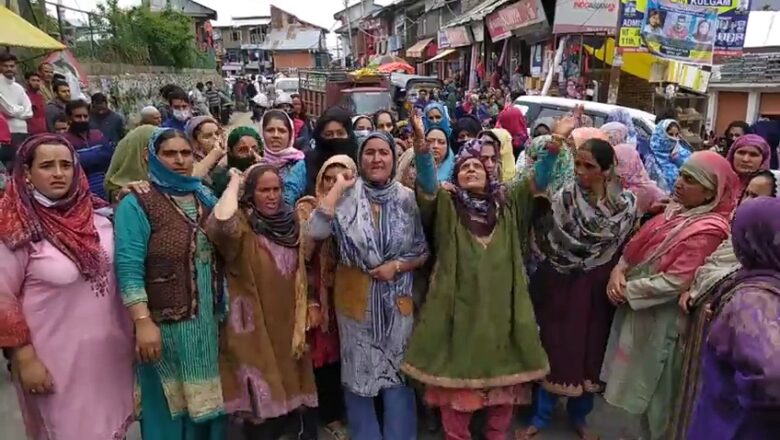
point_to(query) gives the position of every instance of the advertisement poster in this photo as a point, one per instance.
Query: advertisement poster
(680, 32)
(732, 18)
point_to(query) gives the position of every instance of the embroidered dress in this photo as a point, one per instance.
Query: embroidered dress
(182, 391)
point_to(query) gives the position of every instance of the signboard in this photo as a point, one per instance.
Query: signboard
(586, 16)
(729, 37)
(680, 32)
(458, 36)
(441, 39)
(478, 30)
(524, 13)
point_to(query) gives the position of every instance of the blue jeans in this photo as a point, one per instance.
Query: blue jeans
(400, 416)
(577, 408)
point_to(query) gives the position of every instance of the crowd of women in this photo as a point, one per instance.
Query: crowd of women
(240, 283)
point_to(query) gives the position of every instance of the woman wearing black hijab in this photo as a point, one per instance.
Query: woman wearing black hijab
(466, 129)
(333, 135)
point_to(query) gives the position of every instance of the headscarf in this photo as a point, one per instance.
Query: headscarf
(27, 216)
(477, 212)
(443, 125)
(340, 159)
(634, 178)
(285, 156)
(444, 169)
(355, 119)
(405, 164)
(659, 236)
(624, 117)
(617, 133)
(666, 156)
(366, 244)
(280, 227)
(172, 183)
(563, 169)
(192, 125)
(513, 120)
(770, 131)
(723, 262)
(547, 121)
(128, 163)
(755, 233)
(326, 148)
(505, 156)
(467, 123)
(750, 140)
(584, 134)
(581, 235)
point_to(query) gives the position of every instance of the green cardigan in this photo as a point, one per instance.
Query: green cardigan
(477, 328)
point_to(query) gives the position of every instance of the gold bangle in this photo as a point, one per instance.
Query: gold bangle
(141, 317)
(397, 267)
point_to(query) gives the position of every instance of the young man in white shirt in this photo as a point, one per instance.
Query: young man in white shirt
(15, 105)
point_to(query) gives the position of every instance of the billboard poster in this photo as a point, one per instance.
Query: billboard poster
(680, 32)
(730, 26)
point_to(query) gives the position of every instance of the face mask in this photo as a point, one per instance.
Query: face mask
(338, 146)
(241, 163)
(79, 127)
(181, 115)
(362, 133)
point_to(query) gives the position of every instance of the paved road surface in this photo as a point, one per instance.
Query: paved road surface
(610, 423)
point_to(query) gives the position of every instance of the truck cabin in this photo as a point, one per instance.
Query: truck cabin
(366, 100)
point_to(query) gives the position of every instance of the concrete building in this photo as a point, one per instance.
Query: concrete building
(294, 43)
(239, 44)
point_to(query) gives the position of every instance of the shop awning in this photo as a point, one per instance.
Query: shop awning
(477, 13)
(417, 50)
(441, 55)
(15, 31)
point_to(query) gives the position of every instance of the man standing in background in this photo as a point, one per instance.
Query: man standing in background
(36, 124)
(213, 99)
(14, 104)
(56, 106)
(46, 73)
(109, 122)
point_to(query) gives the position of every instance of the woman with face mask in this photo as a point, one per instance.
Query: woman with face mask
(476, 344)
(579, 233)
(243, 147)
(373, 286)
(333, 135)
(466, 129)
(363, 126)
(643, 359)
(69, 337)
(708, 293)
(160, 242)
(667, 154)
(258, 235)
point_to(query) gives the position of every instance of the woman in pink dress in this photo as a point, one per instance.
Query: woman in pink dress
(61, 318)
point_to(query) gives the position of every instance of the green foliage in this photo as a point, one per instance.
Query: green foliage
(140, 36)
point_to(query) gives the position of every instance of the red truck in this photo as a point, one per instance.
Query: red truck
(360, 95)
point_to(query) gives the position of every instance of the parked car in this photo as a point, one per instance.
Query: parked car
(288, 86)
(535, 107)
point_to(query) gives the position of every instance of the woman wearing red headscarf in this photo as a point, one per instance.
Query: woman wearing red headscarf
(513, 121)
(61, 317)
(643, 358)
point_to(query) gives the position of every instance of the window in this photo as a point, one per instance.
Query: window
(235, 36)
(290, 19)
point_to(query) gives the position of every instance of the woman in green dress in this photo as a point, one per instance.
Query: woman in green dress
(170, 279)
(476, 344)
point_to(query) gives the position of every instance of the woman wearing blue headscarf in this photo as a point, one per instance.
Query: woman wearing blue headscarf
(667, 154)
(634, 136)
(170, 279)
(436, 115)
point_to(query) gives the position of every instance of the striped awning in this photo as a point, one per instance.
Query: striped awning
(417, 50)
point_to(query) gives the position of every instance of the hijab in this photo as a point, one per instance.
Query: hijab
(280, 227)
(470, 125)
(284, 157)
(617, 133)
(27, 216)
(563, 169)
(191, 127)
(445, 168)
(624, 117)
(505, 158)
(666, 156)
(513, 120)
(405, 166)
(326, 148)
(750, 140)
(443, 125)
(170, 182)
(477, 212)
(584, 134)
(632, 174)
(128, 163)
(547, 121)
(341, 160)
(677, 225)
(754, 230)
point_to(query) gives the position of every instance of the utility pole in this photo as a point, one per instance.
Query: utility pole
(349, 31)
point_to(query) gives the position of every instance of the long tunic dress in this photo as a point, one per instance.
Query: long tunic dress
(261, 378)
(181, 394)
(476, 343)
(739, 387)
(85, 341)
